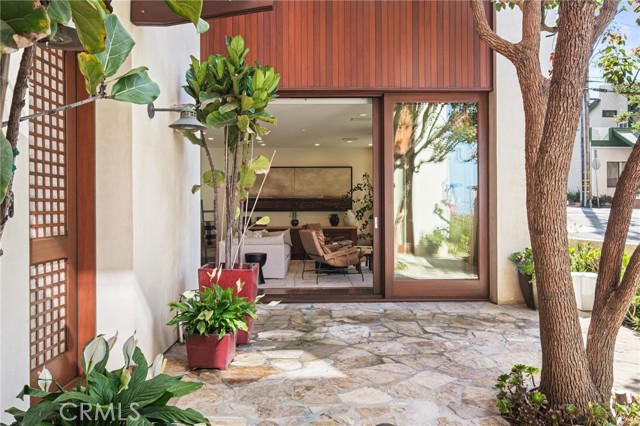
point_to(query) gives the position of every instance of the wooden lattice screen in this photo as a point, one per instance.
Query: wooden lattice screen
(48, 210)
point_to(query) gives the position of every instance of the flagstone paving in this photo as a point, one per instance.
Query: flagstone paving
(405, 364)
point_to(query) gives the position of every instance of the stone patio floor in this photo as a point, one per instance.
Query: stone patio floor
(406, 364)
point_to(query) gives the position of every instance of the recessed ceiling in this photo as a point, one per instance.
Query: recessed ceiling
(311, 123)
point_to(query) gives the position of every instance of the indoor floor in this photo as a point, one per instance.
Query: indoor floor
(335, 280)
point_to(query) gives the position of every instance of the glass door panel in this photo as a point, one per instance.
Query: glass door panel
(435, 191)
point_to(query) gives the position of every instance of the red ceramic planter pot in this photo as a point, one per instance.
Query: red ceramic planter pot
(210, 351)
(245, 272)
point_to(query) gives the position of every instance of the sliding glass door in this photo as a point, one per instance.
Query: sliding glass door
(435, 198)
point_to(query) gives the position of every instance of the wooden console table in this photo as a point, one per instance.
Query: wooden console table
(297, 250)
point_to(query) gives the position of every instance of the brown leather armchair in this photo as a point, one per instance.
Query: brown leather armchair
(336, 258)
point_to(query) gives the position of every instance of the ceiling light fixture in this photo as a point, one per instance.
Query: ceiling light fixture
(370, 144)
(210, 139)
(363, 114)
(187, 120)
(316, 144)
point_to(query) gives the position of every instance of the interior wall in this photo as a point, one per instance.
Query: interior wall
(14, 276)
(148, 244)
(360, 159)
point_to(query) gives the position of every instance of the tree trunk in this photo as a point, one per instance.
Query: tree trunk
(13, 128)
(564, 360)
(612, 296)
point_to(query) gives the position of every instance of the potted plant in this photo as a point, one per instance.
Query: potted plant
(295, 208)
(526, 276)
(136, 393)
(232, 95)
(433, 242)
(210, 319)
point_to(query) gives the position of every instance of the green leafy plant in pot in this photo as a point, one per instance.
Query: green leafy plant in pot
(526, 275)
(210, 318)
(232, 95)
(137, 393)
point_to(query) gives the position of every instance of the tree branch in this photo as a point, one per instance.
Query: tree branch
(531, 19)
(493, 40)
(607, 13)
(19, 94)
(617, 230)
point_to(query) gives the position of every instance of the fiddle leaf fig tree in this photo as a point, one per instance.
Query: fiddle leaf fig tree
(107, 45)
(232, 95)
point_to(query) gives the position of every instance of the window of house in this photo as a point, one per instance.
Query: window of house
(614, 168)
(609, 113)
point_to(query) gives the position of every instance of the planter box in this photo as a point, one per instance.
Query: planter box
(245, 272)
(584, 287)
(528, 290)
(210, 351)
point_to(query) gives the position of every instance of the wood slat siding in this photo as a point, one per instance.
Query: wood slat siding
(369, 45)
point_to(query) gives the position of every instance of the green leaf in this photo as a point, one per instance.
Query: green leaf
(91, 68)
(265, 116)
(137, 420)
(59, 11)
(243, 123)
(184, 388)
(202, 26)
(217, 119)
(264, 220)
(228, 107)
(89, 18)
(28, 20)
(79, 396)
(246, 102)
(118, 46)
(195, 188)
(136, 88)
(7, 45)
(172, 415)
(260, 165)
(188, 9)
(6, 165)
(193, 138)
(39, 412)
(144, 392)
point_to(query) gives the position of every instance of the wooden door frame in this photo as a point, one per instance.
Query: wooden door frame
(86, 216)
(453, 289)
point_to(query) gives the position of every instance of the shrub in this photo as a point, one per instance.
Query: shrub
(460, 234)
(573, 196)
(524, 262)
(521, 403)
(121, 396)
(633, 315)
(429, 243)
(212, 311)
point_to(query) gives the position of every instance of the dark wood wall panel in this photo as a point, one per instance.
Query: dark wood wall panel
(370, 45)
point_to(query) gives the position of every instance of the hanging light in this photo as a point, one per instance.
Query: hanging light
(187, 120)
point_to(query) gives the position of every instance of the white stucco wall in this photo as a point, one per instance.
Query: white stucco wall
(599, 177)
(14, 277)
(147, 219)
(508, 213)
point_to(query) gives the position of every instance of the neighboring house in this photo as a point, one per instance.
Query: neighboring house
(128, 239)
(611, 144)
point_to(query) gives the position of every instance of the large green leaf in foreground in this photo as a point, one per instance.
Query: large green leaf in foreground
(135, 88)
(6, 165)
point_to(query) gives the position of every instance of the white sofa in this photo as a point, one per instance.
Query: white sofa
(277, 246)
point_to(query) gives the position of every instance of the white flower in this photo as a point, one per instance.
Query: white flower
(239, 285)
(128, 349)
(158, 365)
(112, 341)
(188, 295)
(45, 379)
(94, 353)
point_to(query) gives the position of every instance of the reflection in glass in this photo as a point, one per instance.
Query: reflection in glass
(435, 190)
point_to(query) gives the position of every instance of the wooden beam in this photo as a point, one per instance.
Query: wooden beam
(157, 13)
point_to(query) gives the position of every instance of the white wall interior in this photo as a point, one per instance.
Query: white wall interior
(14, 276)
(147, 219)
